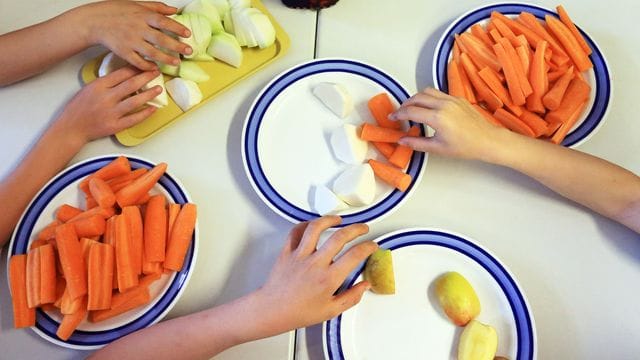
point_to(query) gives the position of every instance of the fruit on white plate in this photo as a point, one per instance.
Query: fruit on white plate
(190, 70)
(110, 63)
(347, 145)
(356, 185)
(478, 341)
(325, 201)
(457, 298)
(335, 97)
(185, 93)
(378, 271)
(225, 47)
(162, 99)
(209, 10)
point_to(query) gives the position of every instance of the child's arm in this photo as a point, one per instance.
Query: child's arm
(130, 29)
(99, 109)
(460, 131)
(299, 292)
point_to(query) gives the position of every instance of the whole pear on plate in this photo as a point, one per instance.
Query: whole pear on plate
(378, 271)
(478, 341)
(457, 298)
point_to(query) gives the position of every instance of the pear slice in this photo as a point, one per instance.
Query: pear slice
(478, 341)
(378, 271)
(457, 298)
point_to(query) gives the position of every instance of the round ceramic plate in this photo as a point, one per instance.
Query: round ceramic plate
(410, 324)
(285, 145)
(598, 77)
(165, 292)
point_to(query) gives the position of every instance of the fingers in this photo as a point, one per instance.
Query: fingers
(154, 53)
(168, 24)
(294, 238)
(348, 261)
(159, 7)
(312, 233)
(436, 93)
(134, 102)
(339, 239)
(134, 58)
(426, 101)
(350, 297)
(424, 144)
(134, 118)
(131, 85)
(166, 42)
(114, 78)
(417, 114)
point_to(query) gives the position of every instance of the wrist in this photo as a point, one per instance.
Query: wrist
(497, 149)
(83, 26)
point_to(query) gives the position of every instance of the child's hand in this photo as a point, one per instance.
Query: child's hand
(460, 131)
(135, 30)
(300, 290)
(105, 106)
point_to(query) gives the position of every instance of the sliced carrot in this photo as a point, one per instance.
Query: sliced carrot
(181, 234)
(49, 231)
(523, 55)
(66, 212)
(487, 115)
(61, 285)
(71, 259)
(140, 186)
(494, 83)
(155, 229)
(70, 322)
(538, 79)
(566, 20)
(402, 155)
(172, 213)
(101, 192)
(119, 166)
(519, 29)
(456, 52)
(513, 123)
(121, 303)
(37, 243)
(553, 97)
(47, 274)
(33, 278)
(535, 122)
(513, 84)
(570, 44)
(104, 212)
(136, 235)
(558, 55)
(372, 132)
(495, 36)
(23, 316)
(577, 93)
(385, 149)
(523, 81)
(504, 30)
(380, 107)
(127, 275)
(89, 226)
(100, 278)
(479, 52)
(147, 280)
(391, 175)
(109, 238)
(482, 35)
(484, 92)
(454, 82)
(69, 305)
(564, 129)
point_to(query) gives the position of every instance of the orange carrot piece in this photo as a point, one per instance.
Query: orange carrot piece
(49, 231)
(536, 123)
(570, 44)
(23, 316)
(566, 20)
(71, 259)
(140, 186)
(69, 305)
(558, 55)
(504, 30)
(456, 51)
(380, 107)
(552, 127)
(147, 280)
(513, 84)
(37, 243)
(121, 303)
(469, 94)
(372, 132)
(494, 83)
(402, 155)
(155, 229)
(181, 234)
(48, 274)
(100, 276)
(553, 97)
(495, 36)
(525, 86)
(482, 35)
(104, 212)
(101, 192)
(61, 285)
(136, 235)
(70, 322)
(110, 239)
(484, 92)
(66, 212)
(391, 175)
(89, 226)
(119, 166)
(478, 52)
(538, 79)
(128, 177)
(523, 55)
(127, 275)
(517, 28)
(487, 115)
(33, 278)
(385, 149)
(513, 123)
(577, 93)
(172, 213)
(563, 130)
(454, 82)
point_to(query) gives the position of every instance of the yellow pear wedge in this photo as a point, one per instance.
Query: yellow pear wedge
(378, 271)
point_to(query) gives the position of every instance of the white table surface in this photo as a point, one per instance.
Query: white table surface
(578, 270)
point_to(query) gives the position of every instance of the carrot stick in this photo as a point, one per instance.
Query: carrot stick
(494, 83)
(172, 213)
(495, 35)
(481, 34)
(479, 53)
(61, 285)
(100, 276)
(136, 235)
(147, 280)
(69, 305)
(402, 155)
(372, 132)
(566, 20)
(538, 79)
(563, 130)
(181, 234)
(23, 316)
(70, 322)
(33, 278)
(121, 303)
(484, 92)
(525, 86)
(89, 226)
(523, 55)
(559, 56)
(391, 175)
(101, 192)
(487, 115)
(110, 239)
(536, 123)
(513, 84)
(380, 107)
(513, 123)
(577, 92)
(155, 229)
(456, 52)
(570, 44)
(128, 177)
(552, 128)
(71, 259)
(127, 275)
(37, 243)
(140, 186)
(553, 97)
(119, 166)
(103, 212)
(504, 30)
(47, 274)
(454, 82)
(517, 28)
(49, 231)
(385, 149)
(66, 212)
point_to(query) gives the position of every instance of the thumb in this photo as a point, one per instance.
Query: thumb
(425, 144)
(348, 298)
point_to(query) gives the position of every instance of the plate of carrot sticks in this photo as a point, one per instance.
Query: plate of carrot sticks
(526, 68)
(293, 144)
(104, 249)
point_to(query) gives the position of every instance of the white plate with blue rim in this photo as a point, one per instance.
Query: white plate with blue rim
(410, 323)
(285, 147)
(165, 292)
(598, 77)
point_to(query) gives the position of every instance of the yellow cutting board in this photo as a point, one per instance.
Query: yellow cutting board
(222, 76)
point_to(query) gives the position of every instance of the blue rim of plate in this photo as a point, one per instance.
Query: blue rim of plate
(251, 133)
(602, 77)
(525, 329)
(87, 340)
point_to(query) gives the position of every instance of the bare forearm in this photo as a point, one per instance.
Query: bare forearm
(593, 182)
(51, 153)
